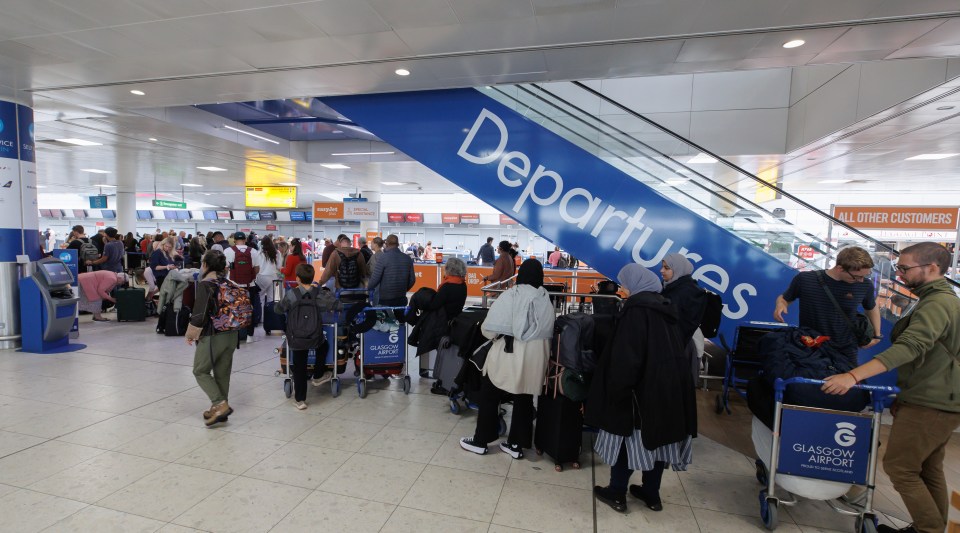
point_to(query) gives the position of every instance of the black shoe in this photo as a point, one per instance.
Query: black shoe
(883, 528)
(654, 504)
(438, 389)
(617, 502)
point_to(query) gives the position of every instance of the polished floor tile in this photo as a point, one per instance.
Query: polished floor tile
(14, 442)
(406, 444)
(373, 478)
(340, 434)
(323, 511)
(405, 519)
(33, 464)
(167, 493)
(243, 505)
(458, 493)
(672, 519)
(299, 465)
(232, 453)
(26, 511)
(170, 442)
(545, 508)
(451, 455)
(101, 520)
(716, 491)
(113, 432)
(718, 522)
(97, 478)
(276, 424)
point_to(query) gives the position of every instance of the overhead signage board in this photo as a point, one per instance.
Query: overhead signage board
(507, 221)
(469, 218)
(361, 211)
(395, 217)
(414, 217)
(450, 218)
(271, 196)
(169, 204)
(328, 210)
(98, 202)
(352, 199)
(898, 217)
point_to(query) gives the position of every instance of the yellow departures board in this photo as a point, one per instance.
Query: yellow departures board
(271, 196)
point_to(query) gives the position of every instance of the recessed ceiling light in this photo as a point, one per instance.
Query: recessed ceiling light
(364, 153)
(152, 139)
(254, 135)
(402, 72)
(41, 186)
(191, 185)
(794, 43)
(137, 92)
(79, 142)
(928, 157)
(94, 171)
(288, 183)
(392, 183)
(945, 108)
(834, 181)
(701, 158)
(334, 166)
(105, 185)
(213, 169)
(337, 131)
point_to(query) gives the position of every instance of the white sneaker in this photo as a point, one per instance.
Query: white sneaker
(301, 405)
(512, 450)
(468, 444)
(249, 339)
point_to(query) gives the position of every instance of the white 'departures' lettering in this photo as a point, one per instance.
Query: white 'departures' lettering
(581, 208)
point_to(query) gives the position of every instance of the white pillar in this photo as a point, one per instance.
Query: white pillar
(126, 212)
(370, 225)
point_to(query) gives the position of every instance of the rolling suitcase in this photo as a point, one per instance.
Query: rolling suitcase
(447, 367)
(559, 431)
(131, 305)
(273, 321)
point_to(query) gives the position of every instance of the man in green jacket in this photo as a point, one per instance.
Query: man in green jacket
(926, 352)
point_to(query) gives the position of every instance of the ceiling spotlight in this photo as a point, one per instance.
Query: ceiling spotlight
(137, 92)
(794, 43)
(337, 131)
(334, 166)
(152, 139)
(402, 72)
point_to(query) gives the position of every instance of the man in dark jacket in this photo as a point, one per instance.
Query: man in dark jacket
(486, 255)
(392, 274)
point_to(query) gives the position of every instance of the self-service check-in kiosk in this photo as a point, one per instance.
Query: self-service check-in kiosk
(47, 308)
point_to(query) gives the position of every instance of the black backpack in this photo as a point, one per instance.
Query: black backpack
(304, 325)
(575, 334)
(348, 274)
(710, 324)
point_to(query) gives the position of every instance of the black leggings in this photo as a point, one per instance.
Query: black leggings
(300, 373)
(620, 476)
(488, 416)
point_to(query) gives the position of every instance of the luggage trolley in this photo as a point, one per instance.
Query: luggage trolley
(330, 358)
(743, 361)
(382, 353)
(825, 445)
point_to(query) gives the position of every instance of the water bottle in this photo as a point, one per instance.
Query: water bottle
(277, 290)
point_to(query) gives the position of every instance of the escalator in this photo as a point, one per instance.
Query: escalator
(612, 192)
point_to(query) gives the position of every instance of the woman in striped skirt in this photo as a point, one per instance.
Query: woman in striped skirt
(643, 378)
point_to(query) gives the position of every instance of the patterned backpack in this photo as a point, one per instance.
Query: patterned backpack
(234, 309)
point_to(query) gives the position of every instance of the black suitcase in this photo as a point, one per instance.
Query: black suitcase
(273, 321)
(131, 305)
(173, 323)
(447, 367)
(559, 431)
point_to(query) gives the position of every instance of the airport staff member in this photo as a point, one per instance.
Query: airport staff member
(926, 352)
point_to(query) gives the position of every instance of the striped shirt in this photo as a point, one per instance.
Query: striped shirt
(678, 455)
(817, 312)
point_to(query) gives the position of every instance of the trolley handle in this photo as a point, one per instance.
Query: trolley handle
(780, 385)
(368, 292)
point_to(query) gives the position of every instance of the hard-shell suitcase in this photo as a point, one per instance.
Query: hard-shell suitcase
(559, 431)
(131, 305)
(447, 366)
(273, 321)
(173, 323)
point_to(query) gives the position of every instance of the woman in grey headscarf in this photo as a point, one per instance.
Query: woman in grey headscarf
(643, 378)
(683, 292)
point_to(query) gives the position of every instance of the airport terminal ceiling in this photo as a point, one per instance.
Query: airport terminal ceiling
(78, 62)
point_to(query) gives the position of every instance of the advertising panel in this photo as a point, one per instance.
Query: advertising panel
(898, 217)
(271, 196)
(328, 210)
(384, 347)
(507, 221)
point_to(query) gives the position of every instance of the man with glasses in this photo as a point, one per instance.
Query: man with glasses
(848, 281)
(926, 354)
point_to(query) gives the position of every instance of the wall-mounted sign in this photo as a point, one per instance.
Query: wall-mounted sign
(414, 217)
(98, 202)
(271, 196)
(450, 218)
(271, 227)
(898, 217)
(361, 210)
(395, 218)
(328, 210)
(169, 204)
(469, 218)
(507, 221)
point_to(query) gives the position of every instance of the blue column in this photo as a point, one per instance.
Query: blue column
(19, 220)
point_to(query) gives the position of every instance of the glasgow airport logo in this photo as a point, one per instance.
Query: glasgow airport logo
(1, 126)
(30, 131)
(845, 436)
(65, 257)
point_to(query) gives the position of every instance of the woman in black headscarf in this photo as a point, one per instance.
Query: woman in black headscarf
(521, 323)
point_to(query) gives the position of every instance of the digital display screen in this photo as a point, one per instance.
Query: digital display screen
(46, 213)
(108, 213)
(144, 215)
(271, 196)
(170, 215)
(268, 215)
(79, 213)
(183, 215)
(253, 215)
(298, 216)
(56, 273)
(223, 215)
(209, 215)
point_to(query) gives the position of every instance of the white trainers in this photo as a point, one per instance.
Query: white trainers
(468, 444)
(301, 405)
(249, 339)
(512, 450)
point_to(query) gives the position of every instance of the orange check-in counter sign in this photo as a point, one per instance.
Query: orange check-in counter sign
(898, 217)
(475, 283)
(426, 276)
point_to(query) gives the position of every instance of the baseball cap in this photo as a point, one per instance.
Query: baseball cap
(239, 236)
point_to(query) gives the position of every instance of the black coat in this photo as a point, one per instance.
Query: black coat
(643, 379)
(431, 312)
(690, 300)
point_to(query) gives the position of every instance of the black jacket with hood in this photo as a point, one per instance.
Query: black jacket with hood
(643, 380)
(690, 300)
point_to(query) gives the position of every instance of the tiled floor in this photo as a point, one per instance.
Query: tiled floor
(111, 439)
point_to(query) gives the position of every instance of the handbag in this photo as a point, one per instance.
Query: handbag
(861, 326)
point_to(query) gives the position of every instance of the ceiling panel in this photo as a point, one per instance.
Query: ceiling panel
(343, 17)
(472, 11)
(107, 13)
(718, 48)
(373, 45)
(322, 50)
(420, 14)
(524, 62)
(881, 36)
(276, 24)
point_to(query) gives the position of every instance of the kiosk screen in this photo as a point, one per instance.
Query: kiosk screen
(56, 273)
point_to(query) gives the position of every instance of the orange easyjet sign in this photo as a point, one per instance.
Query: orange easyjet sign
(328, 210)
(897, 217)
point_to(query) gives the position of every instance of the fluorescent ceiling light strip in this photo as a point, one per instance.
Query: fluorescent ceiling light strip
(238, 130)
(701, 158)
(288, 184)
(364, 153)
(834, 181)
(105, 185)
(213, 169)
(190, 185)
(334, 166)
(79, 142)
(392, 183)
(929, 157)
(94, 171)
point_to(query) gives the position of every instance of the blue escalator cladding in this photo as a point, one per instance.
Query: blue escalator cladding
(566, 194)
